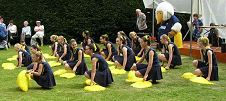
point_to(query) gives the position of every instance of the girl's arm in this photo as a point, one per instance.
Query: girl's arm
(170, 47)
(142, 49)
(65, 52)
(209, 53)
(89, 41)
(201, 55)
(124, 50)
(150, 62)
(79, 60)
(39, 70)
(20, 59)
(55, 49)
(93, 72)
(110, 51)
(142, 58)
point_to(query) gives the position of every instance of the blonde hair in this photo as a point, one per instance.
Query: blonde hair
(19, 46)
(54, 37)
(39, 55)
(204, 41)
(164, 36)
(134, 33)
(62, 37)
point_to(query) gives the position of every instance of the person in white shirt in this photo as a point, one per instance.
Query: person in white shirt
(26, 32)
(141, 21)
(12, 33)
(39, 33)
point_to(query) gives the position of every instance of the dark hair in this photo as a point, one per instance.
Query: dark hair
(195, 15)
(36, 47)
(11, 21)
(87, 33)
(94, 47)
(146, 38)
(105, 36)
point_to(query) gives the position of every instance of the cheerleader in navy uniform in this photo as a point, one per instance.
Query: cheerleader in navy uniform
(109, 50)
(77, 61)
(42, 72)
(207, 67)
(63, 51)
(151, 70)
(24, 58)
(128, 41)
(100, 72)
(53, 39)
(170, 53)
(136, 44)
(87, 39)
(128, 57)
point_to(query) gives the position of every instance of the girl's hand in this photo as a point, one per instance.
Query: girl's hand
(145, 77)
(92, 83)
(208, 78)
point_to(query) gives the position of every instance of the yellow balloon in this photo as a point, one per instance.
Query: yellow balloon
(142, 84)
(94, 88)
(68, 75)
(201, 80)
(23, 81)
(9, 66)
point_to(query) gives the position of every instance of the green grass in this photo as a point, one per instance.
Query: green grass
(172, 87)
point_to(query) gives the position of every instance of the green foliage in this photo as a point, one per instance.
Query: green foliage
(73, 16)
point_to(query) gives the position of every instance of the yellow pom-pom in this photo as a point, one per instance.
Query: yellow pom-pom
(110, 63)
(86, 56)
(188, 75)
(94, 88)
(142, 84)
(118, 71)
(201, 80)
(47, 56)
(54, 63)
(23, 81)
(138, 58)
(9, 66)
(163, 69)
(60, 71)
(132, 77)
(68, 75)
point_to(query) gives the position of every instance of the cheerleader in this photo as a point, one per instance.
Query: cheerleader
(63, 51)
(151, 70)
(128, 41)
(207, 67)
(170, 54)
(109, 50)
(136, 44)
(87, 39)
(77, 61)
(42, 72)
(24, 58)
(128, 57)
(53, 39)
(100, 72)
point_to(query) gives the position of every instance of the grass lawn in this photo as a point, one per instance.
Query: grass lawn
(172, 87)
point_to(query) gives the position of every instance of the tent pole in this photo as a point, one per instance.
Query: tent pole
(191, 28)
(153, 18)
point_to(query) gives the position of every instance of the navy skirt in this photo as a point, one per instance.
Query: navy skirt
(154, 74)
(130, 60)
(103, 78)
(81, 69)
(205, 70)
(176, 60)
